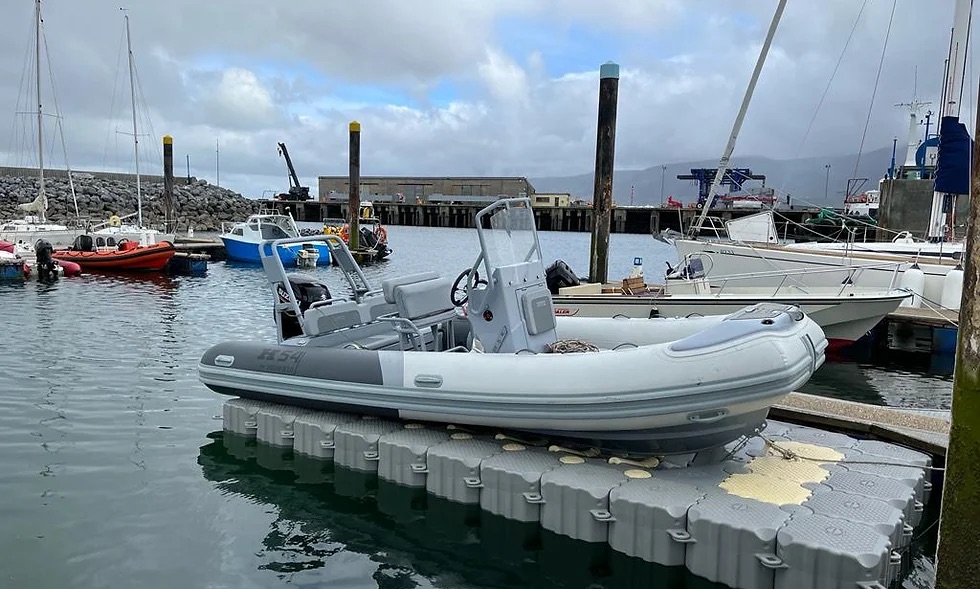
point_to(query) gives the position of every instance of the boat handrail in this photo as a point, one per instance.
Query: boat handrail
(106, 223)
(717, 225)
(851, 274)
(275, 270)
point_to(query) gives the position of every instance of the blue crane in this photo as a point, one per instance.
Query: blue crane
(734, 178)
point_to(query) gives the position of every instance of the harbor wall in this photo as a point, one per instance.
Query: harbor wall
(906, 205)
(199, 205)
(81, 175)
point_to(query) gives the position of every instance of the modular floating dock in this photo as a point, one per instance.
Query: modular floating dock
(792, 508)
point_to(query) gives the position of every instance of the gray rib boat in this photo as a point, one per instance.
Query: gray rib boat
(490, 352)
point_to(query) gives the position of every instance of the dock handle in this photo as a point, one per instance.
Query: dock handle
(771, 561)
(533, 498)
(682, 536)
(473, 482)
(602, 515)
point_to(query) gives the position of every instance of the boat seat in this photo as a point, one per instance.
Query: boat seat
(326, 318)
(388, 286)
(423, 305)
(374, 307)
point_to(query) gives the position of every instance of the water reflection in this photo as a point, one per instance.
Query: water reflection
(894, 383)
(411, 538)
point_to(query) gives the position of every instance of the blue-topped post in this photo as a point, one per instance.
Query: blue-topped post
(957, 565)
(605, 148)
(354, 183)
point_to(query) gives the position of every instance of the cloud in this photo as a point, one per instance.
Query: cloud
(457, 87)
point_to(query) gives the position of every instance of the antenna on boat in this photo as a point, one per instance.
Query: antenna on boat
(723, 162)
(136, 138)
(914, 106)
(40, 114)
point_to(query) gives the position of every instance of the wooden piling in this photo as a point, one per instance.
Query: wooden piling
(605, 146)
(354, 192)
(169, 217)
(957, 566)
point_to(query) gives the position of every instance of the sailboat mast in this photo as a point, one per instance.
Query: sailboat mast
(723, 163)
(136, 138)
(942, 215)
(40, 115)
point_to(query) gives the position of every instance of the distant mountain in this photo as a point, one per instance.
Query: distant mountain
(804, 179)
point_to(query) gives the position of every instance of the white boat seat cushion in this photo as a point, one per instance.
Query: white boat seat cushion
(388, 286)
(336, 315)
(429, 299)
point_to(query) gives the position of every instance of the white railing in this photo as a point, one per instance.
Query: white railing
(851, 275)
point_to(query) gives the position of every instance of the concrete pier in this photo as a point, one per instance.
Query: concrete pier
(574, 218)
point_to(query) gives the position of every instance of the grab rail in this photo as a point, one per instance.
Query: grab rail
(275, 270)
(850, 273)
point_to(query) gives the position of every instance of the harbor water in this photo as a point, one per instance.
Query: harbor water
(115, 471)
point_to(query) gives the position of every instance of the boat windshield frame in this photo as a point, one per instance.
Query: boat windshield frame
(508, 235)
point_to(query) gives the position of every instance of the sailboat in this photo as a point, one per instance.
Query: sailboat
(936, 271)
(116, 228)
(34, 226)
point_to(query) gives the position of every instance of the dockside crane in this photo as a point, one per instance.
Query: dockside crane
(296, 192)
(733, 178)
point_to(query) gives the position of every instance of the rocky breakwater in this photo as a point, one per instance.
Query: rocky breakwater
(199, 205)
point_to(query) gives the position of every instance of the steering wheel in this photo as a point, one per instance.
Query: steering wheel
(458, 287)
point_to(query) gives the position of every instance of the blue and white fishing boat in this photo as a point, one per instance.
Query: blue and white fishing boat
(242, 240)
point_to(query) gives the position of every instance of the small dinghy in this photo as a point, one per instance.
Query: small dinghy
(490, 352)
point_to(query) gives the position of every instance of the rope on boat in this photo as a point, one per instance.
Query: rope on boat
(790, 455)
(569, 346)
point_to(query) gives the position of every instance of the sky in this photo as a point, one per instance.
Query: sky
(458, 87)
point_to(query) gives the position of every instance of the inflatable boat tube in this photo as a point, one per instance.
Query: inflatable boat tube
(685, 395)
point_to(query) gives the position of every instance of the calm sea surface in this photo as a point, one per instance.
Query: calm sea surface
(114, 471)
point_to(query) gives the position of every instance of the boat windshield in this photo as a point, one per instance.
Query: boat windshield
(273, 232)
(511, 238)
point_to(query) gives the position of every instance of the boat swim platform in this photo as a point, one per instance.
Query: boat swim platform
(792, 508)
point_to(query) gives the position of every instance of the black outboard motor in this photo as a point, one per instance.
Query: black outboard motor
(368, 238)
(559, 275)
(307, 291)
(47, 267)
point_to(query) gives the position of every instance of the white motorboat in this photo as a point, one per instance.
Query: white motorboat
(846, 312)
(754, 250)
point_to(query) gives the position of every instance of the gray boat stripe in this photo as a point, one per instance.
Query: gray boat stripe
(360, 366)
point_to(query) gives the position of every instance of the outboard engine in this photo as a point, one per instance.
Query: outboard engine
(559, 275)
(47, 267)
(307, 291)
(368, 238)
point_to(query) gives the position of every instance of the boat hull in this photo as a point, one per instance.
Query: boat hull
(732, 258)
(58, 238)
(246, 251)
(150, 258)
(843, 321)
(698, 392)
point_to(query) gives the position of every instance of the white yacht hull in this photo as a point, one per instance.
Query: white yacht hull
(57, 238)
(844, 319)
(725, 259)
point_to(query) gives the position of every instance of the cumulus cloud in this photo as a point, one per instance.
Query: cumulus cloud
(451, 87)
